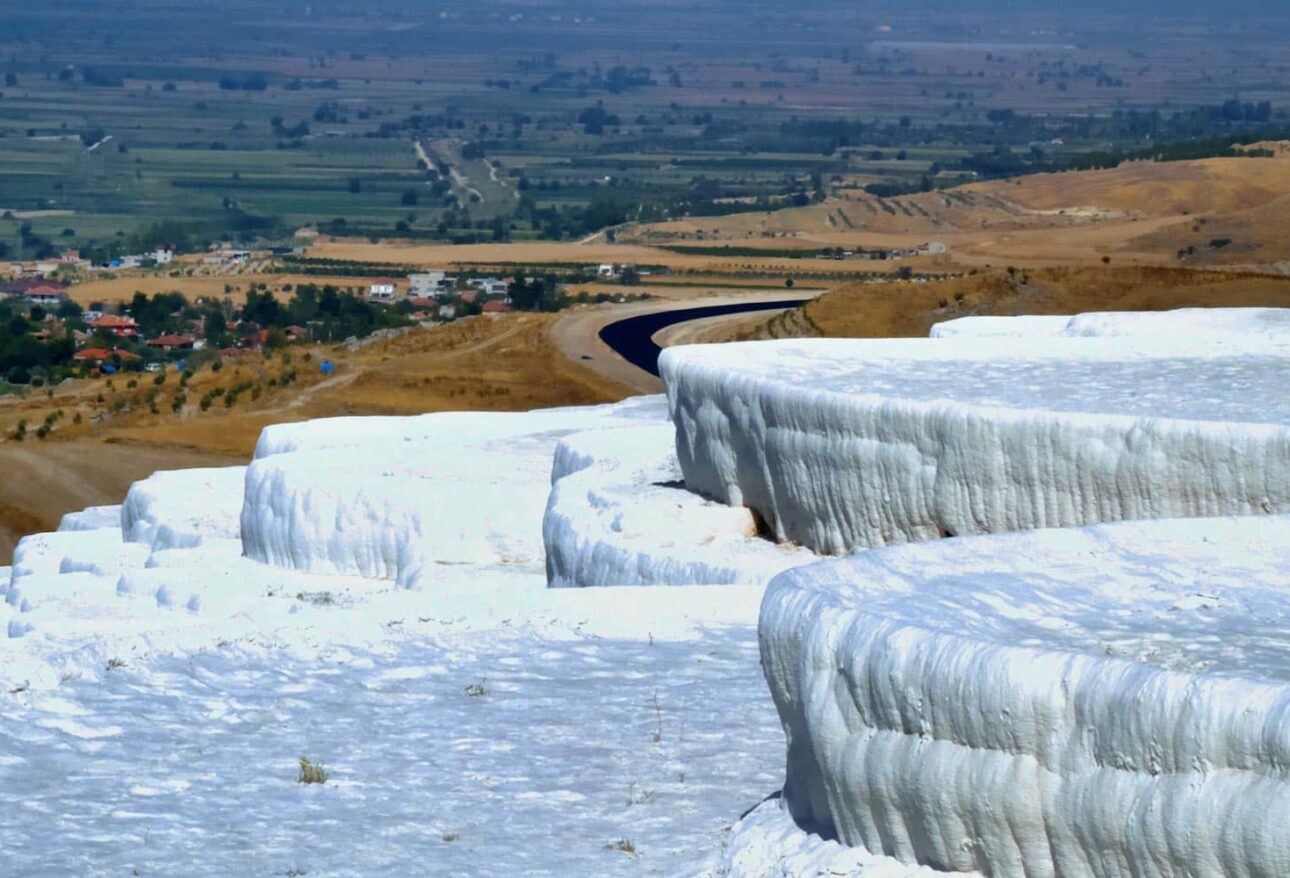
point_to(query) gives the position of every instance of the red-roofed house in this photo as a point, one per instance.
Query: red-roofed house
(496, 306)
(27, 285)
(102, 355)
(46, 294)
(173, 342)
(115, 324)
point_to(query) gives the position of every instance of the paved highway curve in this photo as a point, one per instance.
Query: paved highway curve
(633, 338)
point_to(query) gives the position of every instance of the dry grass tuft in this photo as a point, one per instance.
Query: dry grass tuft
(311, 772)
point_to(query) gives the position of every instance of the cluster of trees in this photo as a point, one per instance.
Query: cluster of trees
(536, 294)
(246, 82)
(332, 314)
(21, 354)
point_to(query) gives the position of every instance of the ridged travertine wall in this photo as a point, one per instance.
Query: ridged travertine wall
(845, 445)
(618, 515)
(1098, 703)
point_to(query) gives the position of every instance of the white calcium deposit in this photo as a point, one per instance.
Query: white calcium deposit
(92, 518)
(398, 498)
(1202, 322)
(1109, 701)
(178, 508)
(618, 514)
(844, 445)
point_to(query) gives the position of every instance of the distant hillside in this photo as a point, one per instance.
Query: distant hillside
(878, 310)
(1218, 211)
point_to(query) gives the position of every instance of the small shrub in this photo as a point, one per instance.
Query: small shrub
(623, 844)
(115, 663)
(311, 772)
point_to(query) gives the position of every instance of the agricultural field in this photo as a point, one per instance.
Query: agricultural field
(466, 124)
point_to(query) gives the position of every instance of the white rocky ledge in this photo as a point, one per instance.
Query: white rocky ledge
(1203, 322)
(619, 515)
(844, 445)
(400, 498)
(1109, 701)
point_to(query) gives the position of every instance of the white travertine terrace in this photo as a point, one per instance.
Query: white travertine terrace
(618, 515)
(1203, 322)
(1108, 701)
(845, 445)
(395, 498)
(181, 508)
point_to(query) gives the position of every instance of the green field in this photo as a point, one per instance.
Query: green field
(250, 120)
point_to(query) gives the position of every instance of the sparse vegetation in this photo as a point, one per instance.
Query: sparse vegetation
(624, 845)
(311, 772)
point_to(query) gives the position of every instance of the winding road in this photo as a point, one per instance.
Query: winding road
(633, 338)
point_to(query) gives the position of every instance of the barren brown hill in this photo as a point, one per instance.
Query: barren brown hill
(1220, 211)
(878, 310)
(1218, 185)
(41, 482)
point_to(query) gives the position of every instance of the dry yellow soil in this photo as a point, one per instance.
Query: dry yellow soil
(879, 310)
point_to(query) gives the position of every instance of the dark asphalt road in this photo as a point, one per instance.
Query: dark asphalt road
(633, 338)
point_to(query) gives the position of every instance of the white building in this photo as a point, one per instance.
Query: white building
(383, 290)
(427, 284)
(162, 255)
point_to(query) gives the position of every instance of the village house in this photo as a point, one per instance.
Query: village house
(25, 285)
(171, 343)
(296, 333)
(490, 286)
(116, 324)
(97, 356)
(496, 306)
(50, 294)
(162, 256)
(383, 291)
(227, 257)
(428, 284)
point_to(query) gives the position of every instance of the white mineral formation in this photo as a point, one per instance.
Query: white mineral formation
(399, 498)
(845, 445)
(1111, 701)
(1203, 322)
(619, 515)
(179, 508)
